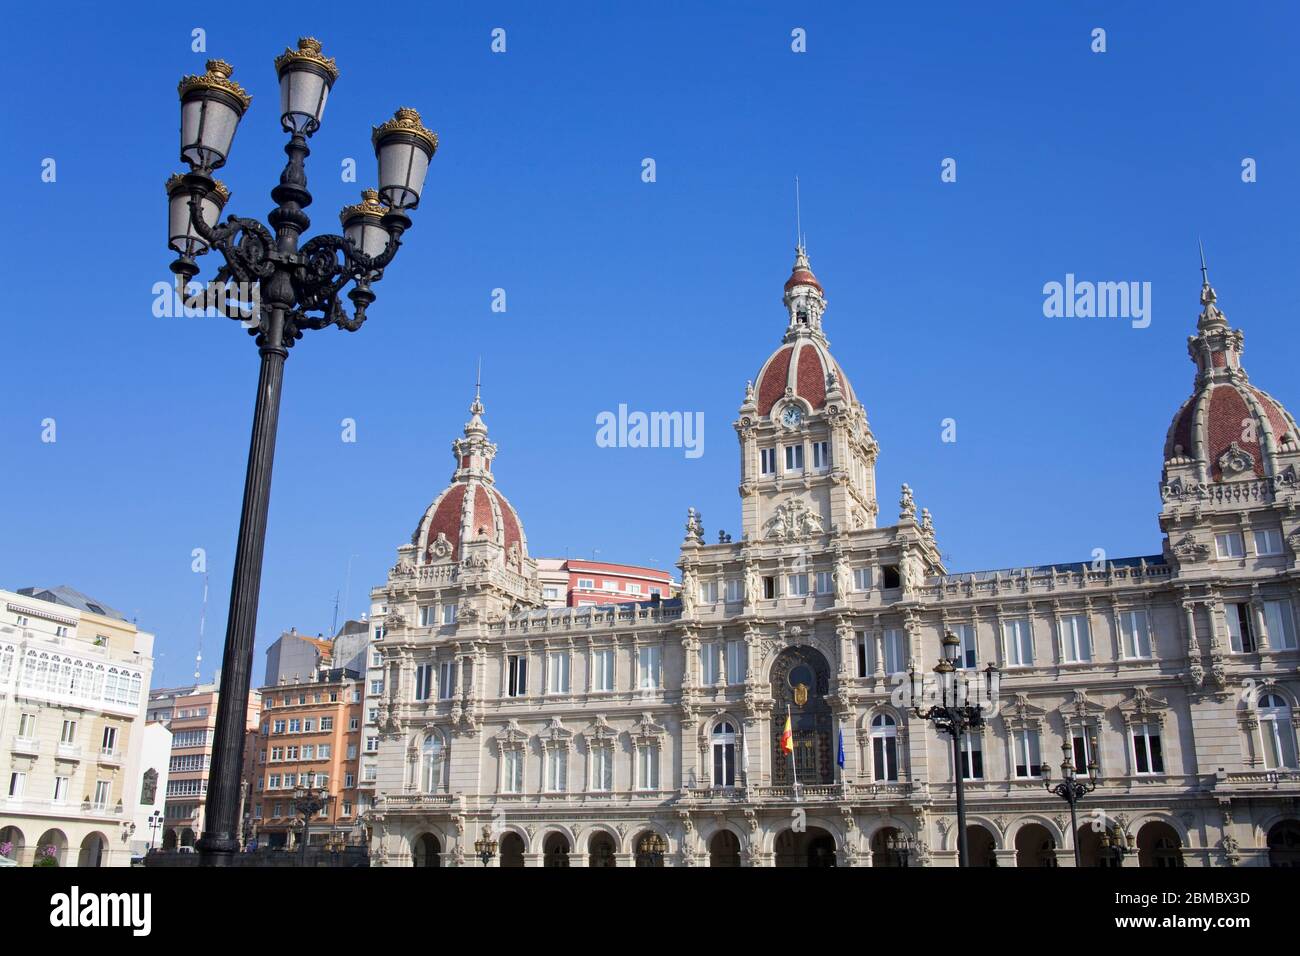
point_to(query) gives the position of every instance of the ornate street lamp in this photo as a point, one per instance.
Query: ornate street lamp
(650, 851)
(955, 715)
(901, 847)
(155, 824)
(485, 847)
(307, 802)
(294, 287)
(1071, 789)
(1116, 844)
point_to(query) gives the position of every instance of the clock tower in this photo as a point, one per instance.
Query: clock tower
(807, 455)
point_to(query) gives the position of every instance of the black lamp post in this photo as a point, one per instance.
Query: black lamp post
(307, 802)
(955, 715)
(485, 847)
(294, 288)
(1116, 844)
(1071, 789)
(155, 824)
(901, 848)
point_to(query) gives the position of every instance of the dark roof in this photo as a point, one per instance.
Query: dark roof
(71, 597)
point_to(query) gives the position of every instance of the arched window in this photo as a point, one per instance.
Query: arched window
(724, 754)
(431, 764)
(1276, 731)
(884, 747)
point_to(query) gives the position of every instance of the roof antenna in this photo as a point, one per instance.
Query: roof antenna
(798, 217)
(1205, 276)
(203, 617)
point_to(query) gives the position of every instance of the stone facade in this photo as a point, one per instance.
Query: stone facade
(648, 735)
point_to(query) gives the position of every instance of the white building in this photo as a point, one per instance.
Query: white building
(621, 735)
(74, 678)
(155, 762)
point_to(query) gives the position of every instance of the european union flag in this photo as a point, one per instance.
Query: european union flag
(839, 751)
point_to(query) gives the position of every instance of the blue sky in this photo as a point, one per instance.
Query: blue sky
(663, 296)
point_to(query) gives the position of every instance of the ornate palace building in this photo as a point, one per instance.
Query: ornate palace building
(649, 734)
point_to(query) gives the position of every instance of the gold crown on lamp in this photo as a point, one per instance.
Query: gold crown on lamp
(308, 51)
(217, 78)
(406, 120)
(176, 181)
(369, 206)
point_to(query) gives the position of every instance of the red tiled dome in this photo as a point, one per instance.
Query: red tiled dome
(803, 365)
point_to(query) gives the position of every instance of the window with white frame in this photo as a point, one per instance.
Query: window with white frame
(862, 579)
(972, 756)
(1241, 635)
(602, 767)
(767, 461)
(735, 662)
(428, 615)
(1280, 621)
(1028, 758)
(376, 688)
(516, 675)
(735, 590)
(1229, 545)
(710, 663)
(895, 642)
(863, 654)
(723, 746)
(557, 672)
(27, 726)
(1268, 541)
(969, 650)
(586, 584)
(423, 681)
(108, 743)
(102, 788)
(821, 455)
(17, 783)
(1081, 743)
(1148, 758)
(1276, 732)
(327, 723)
(372, 745)
(446, 679)
(1076, 639)
(602, 673)
(61, 789)
(449, 614)
(708, 592)
(1018, 641)
(797, 585)
(884, 747)
(557, 769)
(824, 584)
(647, 771)
(648, 666)
(1135, 634)
(512, 774)
(794, 458)
(69, 735)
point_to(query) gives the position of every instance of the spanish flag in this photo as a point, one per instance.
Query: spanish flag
(787, 737)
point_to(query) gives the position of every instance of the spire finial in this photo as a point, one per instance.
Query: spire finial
(1205, 273)
(1210, 316)
(798, 218)
(476, 409)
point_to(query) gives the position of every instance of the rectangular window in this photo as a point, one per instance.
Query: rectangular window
(278, 727)
(735, 662)
(969, 652)
(69, 735)
(108, 744)
(557, 672)
(1268, 541)
(602, 768)
(821, 455)
(308, 726)
(352, 751)
(1028, 759)
(324, 751)
(1147, 756)
(449, 614)
(327, 723)
(710, 663)
(631, 588)
(557, 770)
(17, 784)
(586, 584)
(446, 679)
(514, 772)
(1135, 634)
(824, 585)
(101, 793)
(602, 662)
(27, 726)
(1083, 755)
(1281, 625)
(1240, 633)
(884, 756)
(862, 579)
(735, 590)
(1229, 545)
(864, 658)
(372, 745)
(1019, 643)
(972, 757)
(647, 776)
(767, 461)
(769, 588)
(376, 688)
(648, 667)
(794, 457)
(295, 725)
(60, 789)
(428, 615)
(1076, 641)
(895, 650)
(308, 751)
(517, 675)
(708, 592)
(797, 585)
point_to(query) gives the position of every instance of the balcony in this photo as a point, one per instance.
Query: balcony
(26, 745)
(110, 757)
(69, 751)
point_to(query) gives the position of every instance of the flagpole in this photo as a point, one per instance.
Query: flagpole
(794, 769)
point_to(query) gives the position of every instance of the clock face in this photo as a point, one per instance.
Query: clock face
(791, 416)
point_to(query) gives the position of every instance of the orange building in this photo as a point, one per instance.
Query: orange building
(309, 737)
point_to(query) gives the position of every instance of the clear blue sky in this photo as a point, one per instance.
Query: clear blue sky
(664, 296)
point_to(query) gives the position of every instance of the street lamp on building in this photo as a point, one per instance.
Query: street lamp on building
(901, 847)
(307, 802)
(1071, 789)
(485, 847)
(957, 711)
(292, 288)
(155, 824)
(1116, 844)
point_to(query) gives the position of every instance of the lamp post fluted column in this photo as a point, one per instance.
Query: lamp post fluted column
(1071, 789)
(284, 289)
